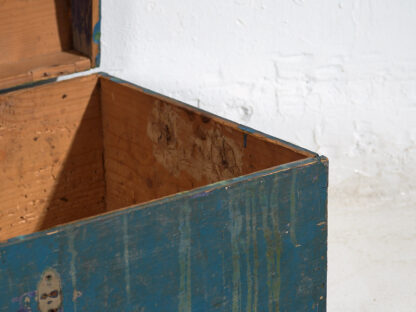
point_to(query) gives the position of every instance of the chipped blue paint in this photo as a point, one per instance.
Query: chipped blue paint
(293, 200)
(126, 256)
(98, 59)
(85, 33)
(247, 247)
(272, 238)
(72, 268)
(236, 220)
(96, 35)
(223, 247)
(256, 263)
(202, 194)
(28, 85)
(229, 250)
(185, 290)
(277, 247)
(246, 129)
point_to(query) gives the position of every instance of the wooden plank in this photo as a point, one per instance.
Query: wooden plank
(42, 67)
(50, 156)
(150, 148)
(257, 243)
(81, 11)
(284, 145)
(86, 28)
(42, 39)
(155, 147)
(96, 33)
(30, 28)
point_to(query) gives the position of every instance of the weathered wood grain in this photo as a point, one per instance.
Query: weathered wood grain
(222, 218)
(86, 28)
(95, 54)
(155, 147)
(42, 39)
(42, 67)
(30, 28)
(256, 243)
(81, 147)
(50, 156)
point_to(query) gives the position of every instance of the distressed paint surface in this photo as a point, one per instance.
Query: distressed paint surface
(81, 12)
(225, 247)
(86, 28)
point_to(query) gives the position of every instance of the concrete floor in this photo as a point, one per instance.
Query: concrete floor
(372, 255)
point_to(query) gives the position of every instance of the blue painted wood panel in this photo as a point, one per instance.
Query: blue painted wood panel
(254, 243)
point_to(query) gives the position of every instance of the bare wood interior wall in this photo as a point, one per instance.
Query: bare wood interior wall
(51, 156)
(154, 148)
(81, 147)
(30, 28)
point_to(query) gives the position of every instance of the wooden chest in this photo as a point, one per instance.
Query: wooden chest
(115, 198)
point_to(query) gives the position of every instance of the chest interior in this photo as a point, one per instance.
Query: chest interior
(90, 145)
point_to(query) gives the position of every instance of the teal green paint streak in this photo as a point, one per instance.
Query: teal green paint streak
(185, 290)
(277, 242)
(293, 198)
(256, 256)
(272, 238)
(236, 227)
(251, 242)
(264, 205)
(96, 36)
(126, 256)
(249, 213)
(72, 269)
(224, 282)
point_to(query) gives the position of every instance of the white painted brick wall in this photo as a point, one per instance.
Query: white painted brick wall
(335, 76)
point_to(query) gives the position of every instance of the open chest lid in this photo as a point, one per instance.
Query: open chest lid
(44, 39)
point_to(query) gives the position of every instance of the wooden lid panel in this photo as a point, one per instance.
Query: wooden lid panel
(33, 27)
(43, 39)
